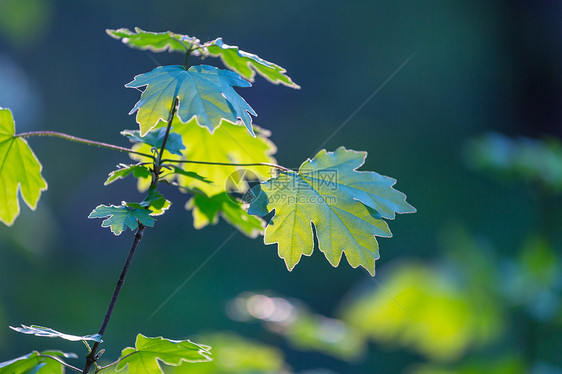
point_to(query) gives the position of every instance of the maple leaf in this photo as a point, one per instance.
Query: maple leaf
(228, 144)
(50, 333)
(138, 171)
(121, 217)
(247, 64)
(148, 352)
(346, 206)
(204, 92)
(154, 41)
(19, 171)
(36, 363)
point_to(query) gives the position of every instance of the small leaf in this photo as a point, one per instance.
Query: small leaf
(156, 202)
(121, 217)
(149, 352)
(154, 41)
(35, 363)
(174, 143)
(19, 171)
(190, 174)
(204, 92)
(247, 64)
(50, 333)
(206, 210)
(139, 171)
(346, 207)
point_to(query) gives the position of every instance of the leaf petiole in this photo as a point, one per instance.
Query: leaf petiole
(62, 363)
(229, 163)
(79, 140)
(100, 368)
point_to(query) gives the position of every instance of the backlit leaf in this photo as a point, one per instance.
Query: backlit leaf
(19, 171)
(206, 210)
(50, 333)
(346, 206)
(247, 64)
(155, 138)
(229, 144)
(138, 171)
(204, 92)
(121, 217)
(145, 358)
(36, 363)
(154, 41)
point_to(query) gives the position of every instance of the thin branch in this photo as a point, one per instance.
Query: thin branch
(79, 140)
(116, 362)
(228, 163)
(62, 362)
(91, 357)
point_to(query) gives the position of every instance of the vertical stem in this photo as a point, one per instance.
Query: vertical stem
(91, 357)
(163, 147)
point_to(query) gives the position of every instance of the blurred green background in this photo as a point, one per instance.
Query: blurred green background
(471, 283)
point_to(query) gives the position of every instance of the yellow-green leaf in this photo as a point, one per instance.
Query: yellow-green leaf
(148, 352)
(346, 206)
(228, 144)
(154, 41)
(247, 64)
(206, 210)
(19, 171)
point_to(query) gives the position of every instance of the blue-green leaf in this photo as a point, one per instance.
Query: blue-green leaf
(121, 217)
(204, 92)
(138, 171)
(346, 206)
(155, 138)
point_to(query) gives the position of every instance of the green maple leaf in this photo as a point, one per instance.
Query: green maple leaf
(145, 357)
(346, 206)
(19, 171)
(206, 210)
(155, 202)
(247, 64)
(228, 144)
(121, 217)
(204, 92)
(138, 171)
(36, 363)
(154, 41)
(50, 333)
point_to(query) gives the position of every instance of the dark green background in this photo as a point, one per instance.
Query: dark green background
(478, 65)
